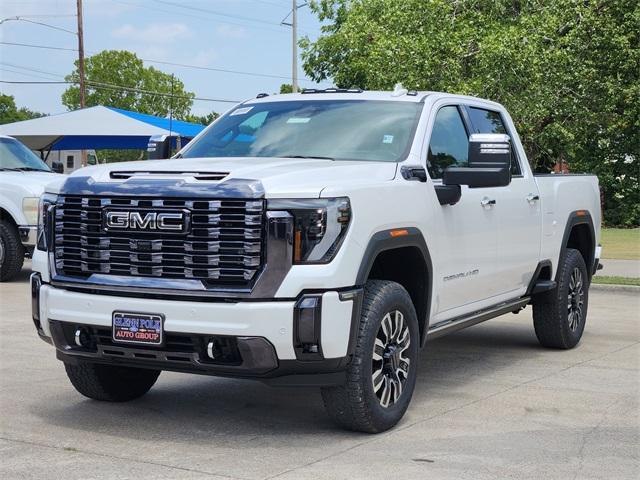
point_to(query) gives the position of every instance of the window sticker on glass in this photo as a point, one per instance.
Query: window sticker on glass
(299, 120)
(387, 139)
(241, 111)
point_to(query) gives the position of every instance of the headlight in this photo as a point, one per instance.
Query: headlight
(319, 226)
(45, 210)
(30, 209)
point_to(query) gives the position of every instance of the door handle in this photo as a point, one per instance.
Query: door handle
(532, 197)
(487, 202)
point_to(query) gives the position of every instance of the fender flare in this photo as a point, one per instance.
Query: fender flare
(383, 241)
(580, 217)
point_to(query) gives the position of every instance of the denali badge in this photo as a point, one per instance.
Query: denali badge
(126, 220)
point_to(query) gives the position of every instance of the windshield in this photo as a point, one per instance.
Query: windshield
(15, 156)
(328, 129)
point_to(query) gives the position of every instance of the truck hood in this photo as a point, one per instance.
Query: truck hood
(280, 177)
(33, 182)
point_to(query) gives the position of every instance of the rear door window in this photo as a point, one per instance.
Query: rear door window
(488, 121)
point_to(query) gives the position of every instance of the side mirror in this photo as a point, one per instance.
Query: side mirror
(489, 163)
(57, 167)
(159, 147)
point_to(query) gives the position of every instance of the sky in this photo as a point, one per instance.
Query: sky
(239, 35)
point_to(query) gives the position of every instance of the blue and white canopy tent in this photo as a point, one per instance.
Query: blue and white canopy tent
(98, 128)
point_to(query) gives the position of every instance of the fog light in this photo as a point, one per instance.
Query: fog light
(306, 325)
(82, 338)
(36, 283)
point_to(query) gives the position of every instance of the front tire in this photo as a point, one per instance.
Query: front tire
(11, 251)
(111, 383)
(382, 374)
(559, 315)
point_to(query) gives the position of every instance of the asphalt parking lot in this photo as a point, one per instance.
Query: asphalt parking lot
(490, 403)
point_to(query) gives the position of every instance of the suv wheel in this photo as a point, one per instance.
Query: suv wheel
(382, 373)
(111, 383)
(11, 251)
(559, 315)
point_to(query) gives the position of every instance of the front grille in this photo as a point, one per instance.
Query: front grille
(223, 246)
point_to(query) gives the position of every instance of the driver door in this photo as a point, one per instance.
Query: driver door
(466, 233)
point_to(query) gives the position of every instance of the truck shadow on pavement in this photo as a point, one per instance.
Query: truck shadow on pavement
(192, 408)
(23, 275)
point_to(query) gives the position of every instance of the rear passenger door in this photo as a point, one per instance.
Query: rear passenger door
(517, 210)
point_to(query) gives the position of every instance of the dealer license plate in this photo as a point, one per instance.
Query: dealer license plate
(140, 328)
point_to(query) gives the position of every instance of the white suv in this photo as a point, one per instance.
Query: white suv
(317, 239)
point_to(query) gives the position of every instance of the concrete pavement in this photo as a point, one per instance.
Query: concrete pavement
(489, 404)
(620, 268)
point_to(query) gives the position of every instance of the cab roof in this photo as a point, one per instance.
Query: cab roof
(357, 94)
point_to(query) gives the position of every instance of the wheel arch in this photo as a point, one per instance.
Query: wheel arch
(401, 255)
(5, 215)
(579, 234)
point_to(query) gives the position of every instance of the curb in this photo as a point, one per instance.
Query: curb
(614, 288)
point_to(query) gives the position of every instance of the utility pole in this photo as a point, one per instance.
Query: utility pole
(294, 52)
(83, 159)
(81, 54)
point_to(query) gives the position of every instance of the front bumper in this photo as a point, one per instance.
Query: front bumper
(264, 334)
(28, 235)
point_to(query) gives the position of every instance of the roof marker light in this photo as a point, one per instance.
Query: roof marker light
(399, 90)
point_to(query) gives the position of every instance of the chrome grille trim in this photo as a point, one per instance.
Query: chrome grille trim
(224, 247)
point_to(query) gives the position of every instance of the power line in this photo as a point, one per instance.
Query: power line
(52, 15)
(213, 12)
(47, 47)
(198, 16)
(13, 65)
(21, 18)
(108, 86)
(49, 82)
(26, 74)
(162, 62)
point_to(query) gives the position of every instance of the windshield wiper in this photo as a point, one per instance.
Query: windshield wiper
(312, 157)
(22, 169)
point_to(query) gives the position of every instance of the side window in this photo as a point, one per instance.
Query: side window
(70, 162)
(487, 121)
(449, 143)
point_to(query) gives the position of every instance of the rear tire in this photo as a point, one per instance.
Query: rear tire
(11, 251)
(111, 383)
(559, 315)
(382, 374)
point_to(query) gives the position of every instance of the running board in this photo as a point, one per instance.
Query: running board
(449, 326)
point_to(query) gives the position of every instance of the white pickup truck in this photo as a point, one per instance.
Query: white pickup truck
(319, 238)
(22, 179)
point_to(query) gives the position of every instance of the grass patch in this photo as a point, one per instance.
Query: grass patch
(621, 243)
(604, 280)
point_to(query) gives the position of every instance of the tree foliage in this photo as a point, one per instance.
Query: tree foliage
(202, 119)
(286, 88)
(10, 113)
(125, 69)
(567, 71)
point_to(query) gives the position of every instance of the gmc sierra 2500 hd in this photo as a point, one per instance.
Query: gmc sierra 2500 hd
(318, 238)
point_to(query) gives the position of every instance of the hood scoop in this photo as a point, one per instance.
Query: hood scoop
(204, 176)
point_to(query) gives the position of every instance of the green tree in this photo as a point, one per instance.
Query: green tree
(125, 69)
(567, 71)
(286, 88)
(202, 119)
(9, 113)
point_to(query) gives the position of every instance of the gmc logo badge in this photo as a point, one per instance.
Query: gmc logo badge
(175, 222)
